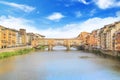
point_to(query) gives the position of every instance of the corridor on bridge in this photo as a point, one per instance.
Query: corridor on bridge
(50, 43)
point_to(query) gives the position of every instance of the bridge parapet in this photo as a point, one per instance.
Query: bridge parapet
(58, 42)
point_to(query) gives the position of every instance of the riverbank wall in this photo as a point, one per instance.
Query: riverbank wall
(105, 53)
(8, 52)
(15, 51)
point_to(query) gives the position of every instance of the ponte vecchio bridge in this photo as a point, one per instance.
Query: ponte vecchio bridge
(52, 42)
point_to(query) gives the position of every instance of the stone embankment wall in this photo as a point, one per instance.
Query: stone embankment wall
(14, 49)
(100, 51)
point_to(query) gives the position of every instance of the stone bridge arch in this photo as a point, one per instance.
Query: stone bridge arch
(51, 42)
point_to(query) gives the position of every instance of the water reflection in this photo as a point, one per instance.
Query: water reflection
(59, 65)
(63, 48)
(5, 66)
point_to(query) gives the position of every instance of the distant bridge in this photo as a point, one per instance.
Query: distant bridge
(51, 42)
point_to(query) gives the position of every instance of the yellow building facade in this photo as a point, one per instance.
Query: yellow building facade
(117, 41)
(23, 34)
(7, 37)
(0, 36)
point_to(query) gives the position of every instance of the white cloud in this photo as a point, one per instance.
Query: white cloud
(81, 1)
(104, 4)
(67, 31)
(17, 23)
(78, 14)
(118, 13)
(22, 7)
(92, 12)
(56, 16)
(97, 23)
(67, 5)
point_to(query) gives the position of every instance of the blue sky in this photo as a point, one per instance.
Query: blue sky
(58, 18)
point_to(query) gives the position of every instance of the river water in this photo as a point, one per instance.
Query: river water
(59, 65)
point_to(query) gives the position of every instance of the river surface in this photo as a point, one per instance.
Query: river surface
(59, 65)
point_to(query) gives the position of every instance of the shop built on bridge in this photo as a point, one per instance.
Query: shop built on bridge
(52, 42)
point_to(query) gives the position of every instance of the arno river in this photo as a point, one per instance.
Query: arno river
(59, 65)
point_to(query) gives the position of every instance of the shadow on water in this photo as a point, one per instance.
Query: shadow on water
(61, 48)
(85, 57)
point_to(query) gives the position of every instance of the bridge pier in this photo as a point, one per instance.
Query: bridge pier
(51, 42)
(68, 47)
(50, 48)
